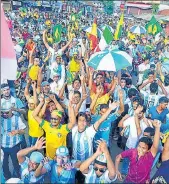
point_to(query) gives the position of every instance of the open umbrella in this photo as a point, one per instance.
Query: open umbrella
(109, 27)
(138, 30)
(89, 29)
(110, 60)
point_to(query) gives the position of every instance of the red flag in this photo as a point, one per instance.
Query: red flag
(8, 55)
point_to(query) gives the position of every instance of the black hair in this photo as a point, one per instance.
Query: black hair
(132, 92)
(128, 81)
(104, 106)
(166, 80)
(81, 114)
(144, 109)
(163, 100)
(153, 87)
(147, 140)
(150, 130)
(123, 79)
(99, 74)
(77, 92)
(150, 73)
(76, 79)
(136, 99)
(124, 76)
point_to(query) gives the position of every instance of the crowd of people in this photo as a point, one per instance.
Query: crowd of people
(61, 120)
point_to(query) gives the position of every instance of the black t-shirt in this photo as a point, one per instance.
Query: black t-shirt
(162, 174)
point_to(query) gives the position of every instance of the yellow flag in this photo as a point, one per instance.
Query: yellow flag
(150, 29)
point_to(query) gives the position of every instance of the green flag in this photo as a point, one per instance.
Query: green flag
(79, 14)
(73, 17)
(107, 34)
(57, 33)
(153, 27)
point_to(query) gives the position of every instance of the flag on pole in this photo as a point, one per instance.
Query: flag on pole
(153, 27)
(93, 36)
(73, 17)
(106, 38)
(8, 55)
(57, 33)
(118, 31)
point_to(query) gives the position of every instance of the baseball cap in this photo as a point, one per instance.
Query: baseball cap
(62, 151)
(45, 83)
(57, 113)
(36, 157)
(14, 180)
(6, 106)
(4, 85)
(101, 160)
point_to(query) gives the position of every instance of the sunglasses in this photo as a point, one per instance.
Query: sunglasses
(55, 119)
(100, 170)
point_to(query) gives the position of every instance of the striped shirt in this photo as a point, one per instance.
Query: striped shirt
(91, 177)
(28, 176)
(82, 143)
(116, 94)
(66, 176)
(8, 125)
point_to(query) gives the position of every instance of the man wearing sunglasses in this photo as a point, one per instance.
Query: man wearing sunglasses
(56, 133)
(99, 168)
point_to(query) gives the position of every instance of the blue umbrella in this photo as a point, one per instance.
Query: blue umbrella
(110, 60)
(89, 29)
(138, 30)
(109, 27)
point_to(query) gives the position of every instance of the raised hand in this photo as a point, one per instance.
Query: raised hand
(120, 94)
(40, 143)
(113, 105)
(156, 123)
(28, 81)
(52, 97)
(42, 98)
(34, 84)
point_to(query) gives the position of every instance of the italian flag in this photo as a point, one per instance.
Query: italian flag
(118, 31)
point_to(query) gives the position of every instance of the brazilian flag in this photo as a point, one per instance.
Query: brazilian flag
(73, 17)
(153, 27)
(57, 30)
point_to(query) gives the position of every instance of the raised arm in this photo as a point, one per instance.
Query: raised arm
(162, 87)
(137, 121)
(37, 110)
(35, 96)
(112, 106)
(121, 109)
(65, 47)
(94, 100)
(84, 96)
(58, 106)
(72, 116)
(44, 40)
(156, 140)
(31, 55)
(26, 91)
(110, 164)
(38, 146)
(84, 167)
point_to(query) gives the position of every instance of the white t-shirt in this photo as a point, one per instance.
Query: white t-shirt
(133, 137)
(18, 49)
(142, 67)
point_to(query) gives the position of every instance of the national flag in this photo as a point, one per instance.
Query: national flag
(79, 14)
(93, 36)
(118, 31)
(153, 27)
(106, 38)
(57, 33)
(73, 17)
(8, 55)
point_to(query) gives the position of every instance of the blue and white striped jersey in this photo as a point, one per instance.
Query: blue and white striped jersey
(82, 143)
(8, 125)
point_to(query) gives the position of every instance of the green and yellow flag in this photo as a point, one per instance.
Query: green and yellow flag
(153, 27)
(118, 31)
(57, 33)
